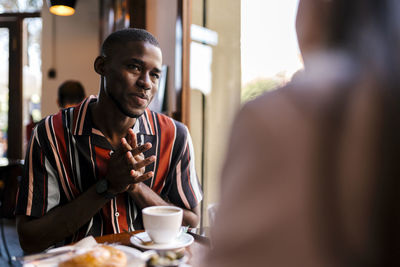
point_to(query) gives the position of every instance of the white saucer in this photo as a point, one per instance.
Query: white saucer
(182, 241)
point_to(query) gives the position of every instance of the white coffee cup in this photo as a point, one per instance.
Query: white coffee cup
(162, 223)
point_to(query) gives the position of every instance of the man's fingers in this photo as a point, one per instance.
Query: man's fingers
(141, 149)
(130, 159)
(145, 162)
(132, 138)
(141, 178)
(125, 144)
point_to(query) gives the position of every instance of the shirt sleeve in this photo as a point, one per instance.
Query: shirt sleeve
(38, 190)
(186, 190)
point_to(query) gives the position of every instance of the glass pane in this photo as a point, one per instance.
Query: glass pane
(268, 60)
(32, 75)
(4, 56)
(20, 5)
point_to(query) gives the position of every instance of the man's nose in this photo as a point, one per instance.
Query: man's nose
(144, 81)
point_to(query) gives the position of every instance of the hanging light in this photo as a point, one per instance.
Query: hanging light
(62, 7)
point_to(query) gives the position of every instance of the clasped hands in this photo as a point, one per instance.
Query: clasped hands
(127, 164)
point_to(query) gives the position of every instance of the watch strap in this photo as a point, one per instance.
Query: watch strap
(102, 189)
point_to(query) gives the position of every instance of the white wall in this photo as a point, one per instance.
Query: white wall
(76, 44)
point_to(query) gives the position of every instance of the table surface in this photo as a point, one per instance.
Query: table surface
(197, 247)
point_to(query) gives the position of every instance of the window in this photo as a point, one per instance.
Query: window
(20, 79)
(270, 55)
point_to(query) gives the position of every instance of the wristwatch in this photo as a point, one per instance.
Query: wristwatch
(102, 189)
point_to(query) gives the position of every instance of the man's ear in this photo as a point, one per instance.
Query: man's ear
(99, 65)
(58, 103)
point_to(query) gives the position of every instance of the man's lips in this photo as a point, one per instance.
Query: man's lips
(140, 99)
(143, 96)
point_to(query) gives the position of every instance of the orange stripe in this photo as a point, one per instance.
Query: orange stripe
(30, 188)
(166, 144)
(179, 185)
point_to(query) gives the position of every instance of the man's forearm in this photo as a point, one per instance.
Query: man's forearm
(37, 234)
(145, 197)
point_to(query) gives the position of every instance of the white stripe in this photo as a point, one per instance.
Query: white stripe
(91, 157)
(135, 212)
(30, 174)
(192, 169)
(53, 191)
(146, 123)
(173, 145)
(89, 226)
(130, 227)
(115, 221)
(112, 216)
(77, 166)
(136, 127)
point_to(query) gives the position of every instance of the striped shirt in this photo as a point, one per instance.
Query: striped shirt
(67, 155)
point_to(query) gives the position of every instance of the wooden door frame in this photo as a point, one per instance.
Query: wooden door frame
(183, 22)
(14, 22)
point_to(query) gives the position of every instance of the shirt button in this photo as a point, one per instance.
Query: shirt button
(117, 214)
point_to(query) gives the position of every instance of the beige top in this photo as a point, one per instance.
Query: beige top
(296, 182)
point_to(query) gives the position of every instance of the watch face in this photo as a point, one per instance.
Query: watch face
(101, 186)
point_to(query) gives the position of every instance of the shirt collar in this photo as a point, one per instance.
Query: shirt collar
(83, 124)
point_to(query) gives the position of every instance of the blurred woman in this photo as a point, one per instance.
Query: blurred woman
(312, 175)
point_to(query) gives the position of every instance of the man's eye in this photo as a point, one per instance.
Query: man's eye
(133, 67)
(155, 75)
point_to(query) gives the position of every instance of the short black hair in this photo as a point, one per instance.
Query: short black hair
(70, 92)
(127, 35)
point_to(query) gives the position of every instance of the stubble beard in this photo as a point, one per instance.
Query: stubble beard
(121, 109)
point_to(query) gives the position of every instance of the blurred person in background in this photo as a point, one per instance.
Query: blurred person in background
(70, 93)
(312, 176)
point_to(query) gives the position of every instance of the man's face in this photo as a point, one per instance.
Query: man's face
(131, 75)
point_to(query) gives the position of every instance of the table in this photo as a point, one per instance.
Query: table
(195, 251)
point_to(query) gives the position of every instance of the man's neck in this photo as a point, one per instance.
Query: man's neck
(112, 123)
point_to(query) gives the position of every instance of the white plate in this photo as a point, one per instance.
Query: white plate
(182, 241)
(133, 256)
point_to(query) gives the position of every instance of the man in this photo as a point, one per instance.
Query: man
(91, 169)
(70, 93)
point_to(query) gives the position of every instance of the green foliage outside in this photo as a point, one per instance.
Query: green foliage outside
(256, 88)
